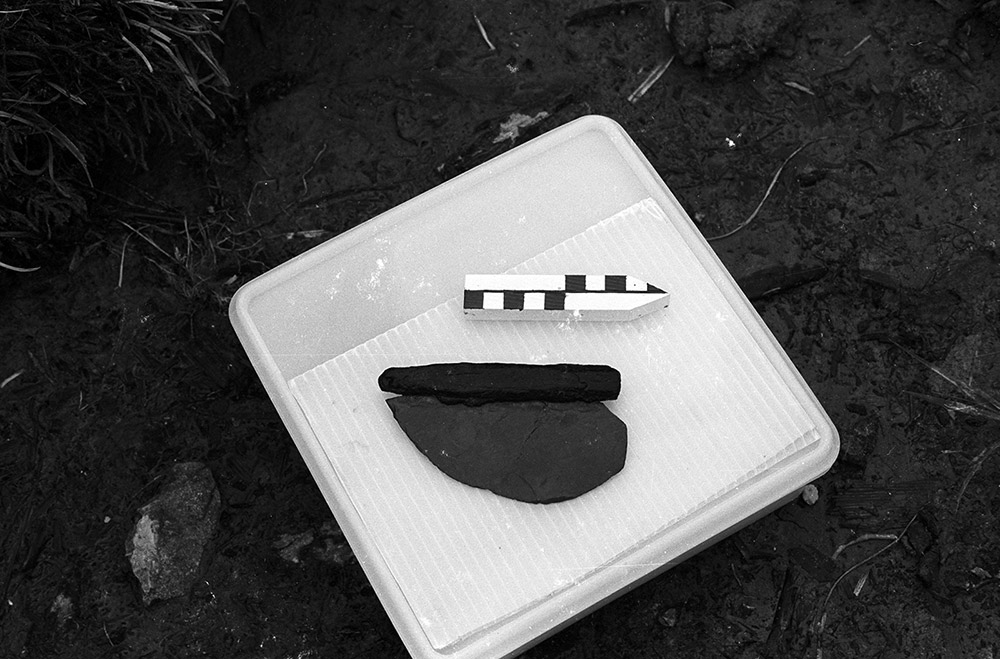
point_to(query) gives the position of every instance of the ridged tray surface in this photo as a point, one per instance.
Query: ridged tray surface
(705, 407)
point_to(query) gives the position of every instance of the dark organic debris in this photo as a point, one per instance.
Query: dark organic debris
(858, 441)
(607, 11)
(668, 618)
(819, 624)
(326, 544)
(166, 546)
(537, 452)
(817, 564)
(726, 39)
(477, 383)
(980, 402)
(989, 11)
(772, 280)
(864, 506)
(782, 622)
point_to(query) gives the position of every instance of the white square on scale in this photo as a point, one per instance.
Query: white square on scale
(492, 300)
(534, 300)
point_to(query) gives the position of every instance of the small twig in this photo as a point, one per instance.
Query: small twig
(305, 185)
(858, 45)
(10, 378)
(977, 464)
(962, 127)
(971, 410)
(121, 263)
(187, 240)
(822, 610)
(988, 404)
(14, 268)
(107, 635)
(253, 191)
(148, 240)
(767, 194)
(799, 87)
(783, 611)
(482, 30)
(864, 538)
(138, 52)
(650, 80)
(738, 580)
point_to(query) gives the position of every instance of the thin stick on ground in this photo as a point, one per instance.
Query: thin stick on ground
(14, 268)
(650, 80)
(977, 464)
(482, 30)
(864, 538)
(767, 194)
(822, 610)
(858, 45)
(148, 240)
(10, 378)
(985, 404)
(121, 263)
(305, 183)
(956, 406)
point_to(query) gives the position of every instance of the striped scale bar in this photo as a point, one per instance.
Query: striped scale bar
(560, 297)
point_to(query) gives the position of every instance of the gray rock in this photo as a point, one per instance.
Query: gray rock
(166, 547)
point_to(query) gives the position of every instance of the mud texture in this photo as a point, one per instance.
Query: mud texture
(727, 39)
(118, 361)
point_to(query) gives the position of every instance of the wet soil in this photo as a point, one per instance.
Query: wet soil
(119, 361)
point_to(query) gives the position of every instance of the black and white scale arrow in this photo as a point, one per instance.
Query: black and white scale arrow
(560, 297)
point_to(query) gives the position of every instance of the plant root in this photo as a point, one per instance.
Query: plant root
(977, 464)
(821, 615)
(767, 194)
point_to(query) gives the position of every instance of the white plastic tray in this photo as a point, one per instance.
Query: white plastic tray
(721, 426)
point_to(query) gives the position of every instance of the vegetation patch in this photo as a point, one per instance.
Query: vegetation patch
(82, 80)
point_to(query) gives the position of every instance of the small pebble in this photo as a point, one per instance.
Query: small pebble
(62, 607)
(292, 544)
(668, 618)
(810, 494)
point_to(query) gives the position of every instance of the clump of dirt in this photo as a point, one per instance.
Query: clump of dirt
(989, 11)
(728, 40)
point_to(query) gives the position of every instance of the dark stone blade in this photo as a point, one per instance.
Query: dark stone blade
(538, 452)
(477, 383)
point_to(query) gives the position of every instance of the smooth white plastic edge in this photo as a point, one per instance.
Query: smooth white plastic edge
(750, 502)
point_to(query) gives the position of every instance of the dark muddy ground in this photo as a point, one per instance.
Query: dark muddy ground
(120, 361)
